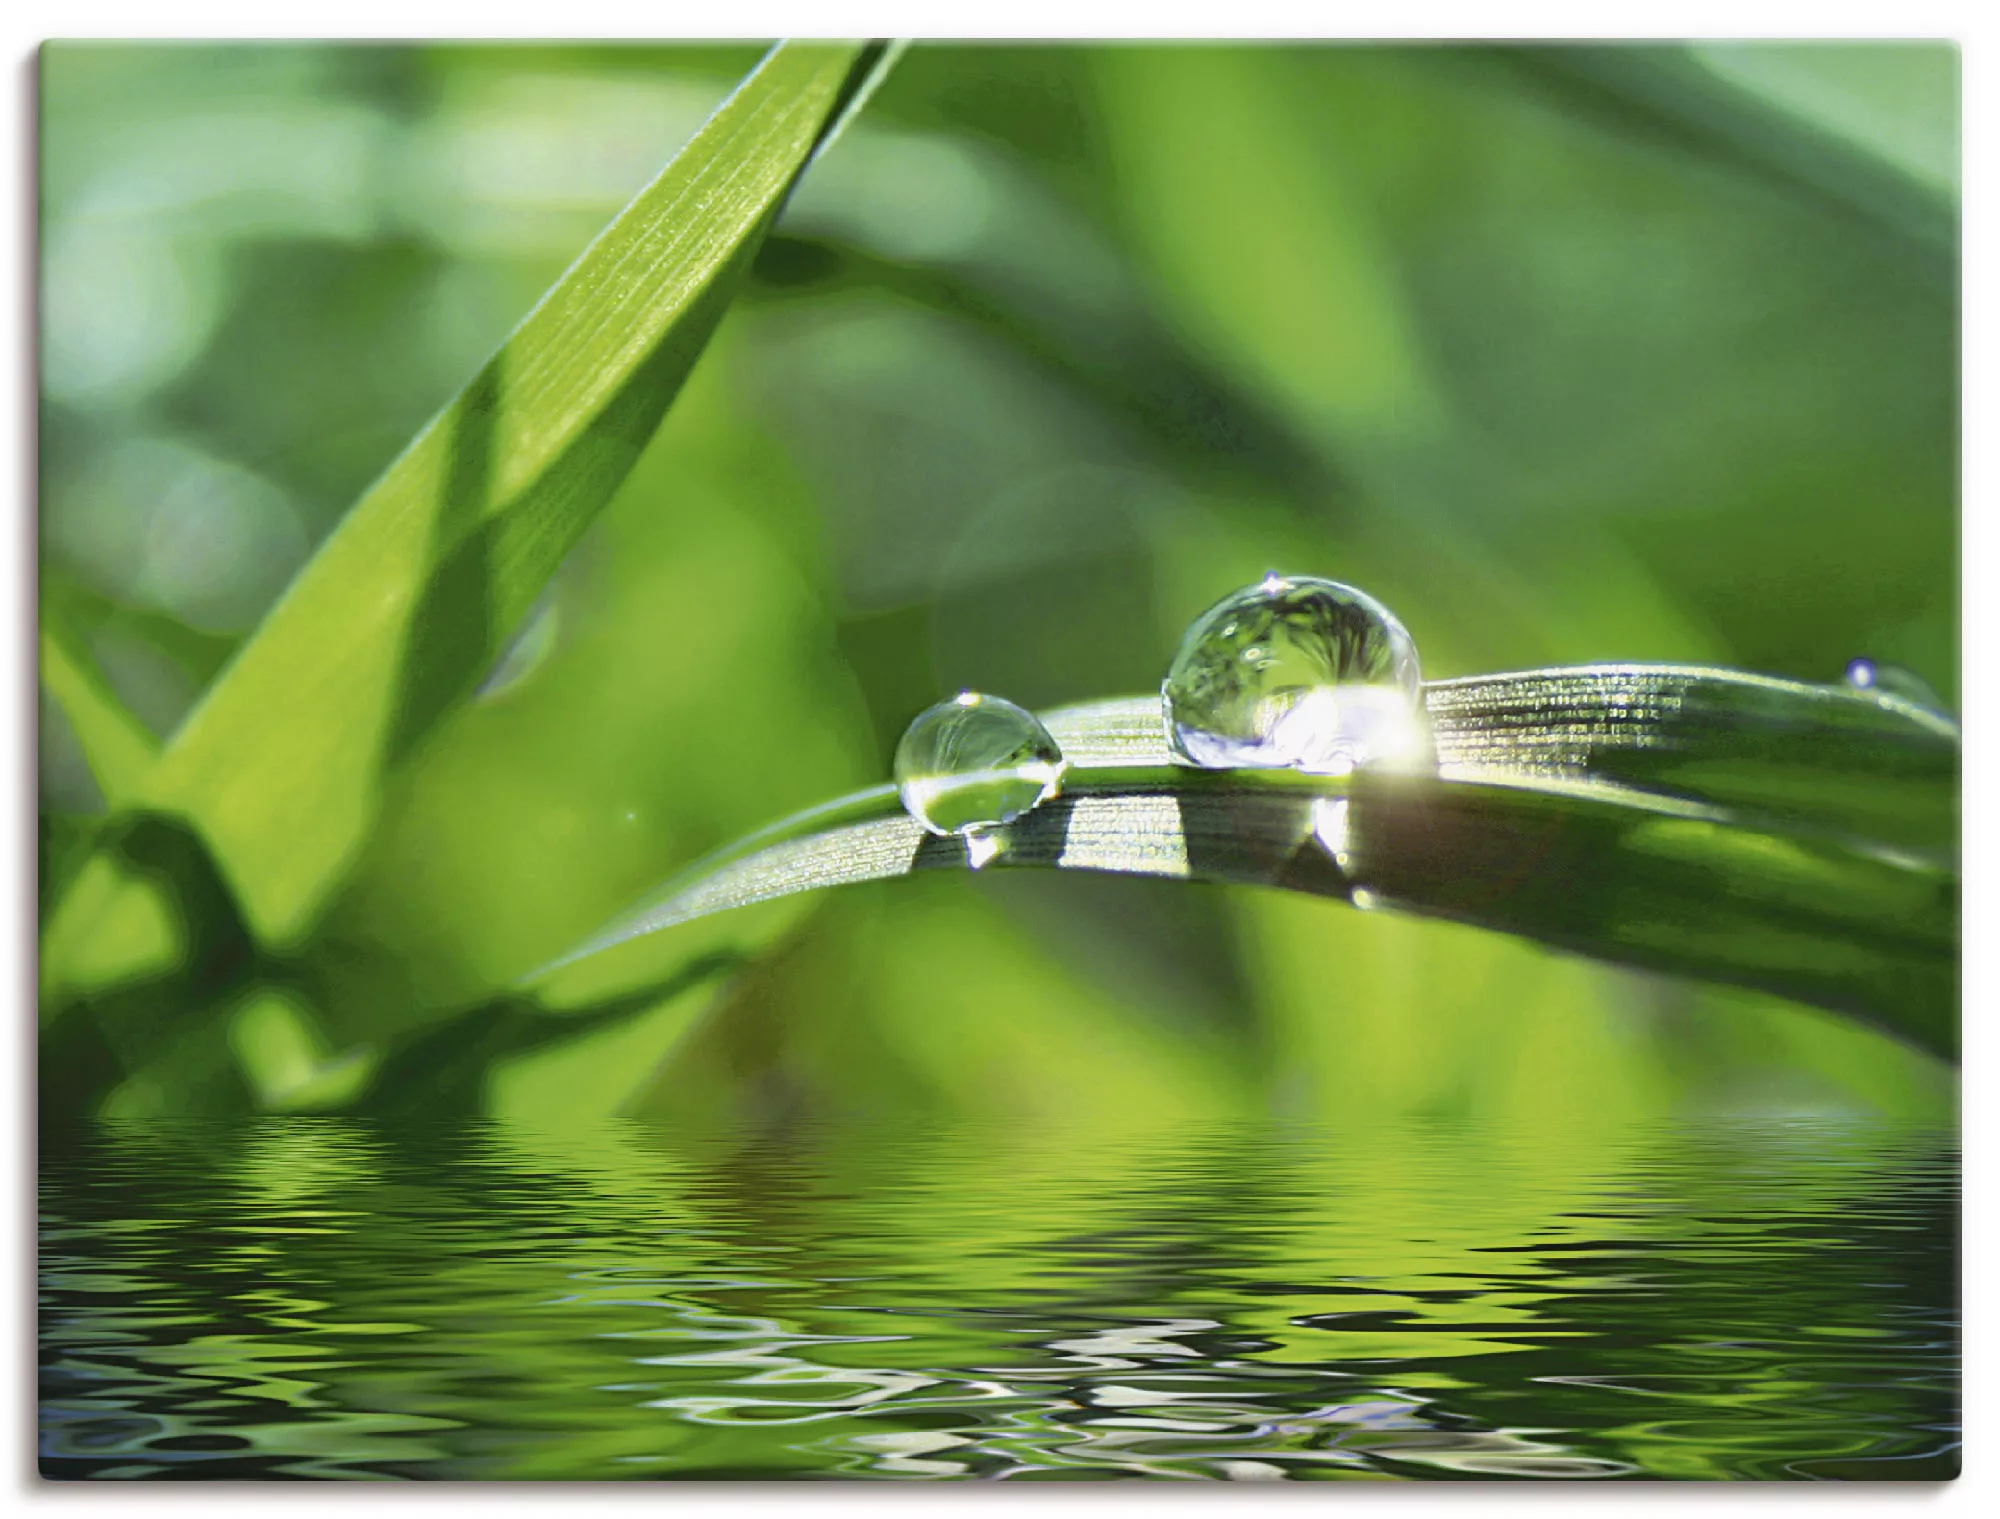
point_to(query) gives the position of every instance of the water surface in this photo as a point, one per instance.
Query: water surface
(323, 1298)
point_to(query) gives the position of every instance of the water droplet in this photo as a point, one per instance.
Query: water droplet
(528, 650)
(1874, 679)
(976, 762)
(1296, 673)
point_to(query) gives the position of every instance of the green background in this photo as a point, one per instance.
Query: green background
(1566, 355)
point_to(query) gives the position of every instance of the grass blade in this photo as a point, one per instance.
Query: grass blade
(1760, 832)
(409, 601)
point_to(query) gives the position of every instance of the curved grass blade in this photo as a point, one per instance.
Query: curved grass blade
(409, 601)
(1695, 821)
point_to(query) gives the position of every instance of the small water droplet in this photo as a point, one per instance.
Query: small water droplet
(528, 650)
(1296, 673)
(1872, 678)
(975, 762)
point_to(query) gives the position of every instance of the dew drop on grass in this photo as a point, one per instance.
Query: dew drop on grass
(1871, 678)
(1300, 674)
(975, 762)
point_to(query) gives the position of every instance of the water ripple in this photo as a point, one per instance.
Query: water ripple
(332, 1299)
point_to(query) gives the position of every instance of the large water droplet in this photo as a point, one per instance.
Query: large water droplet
(975, 762)
(1296, 673)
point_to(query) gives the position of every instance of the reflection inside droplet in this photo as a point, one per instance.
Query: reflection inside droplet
(1297, 673)
(973, 763)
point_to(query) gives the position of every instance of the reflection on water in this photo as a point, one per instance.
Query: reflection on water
(325, 1298)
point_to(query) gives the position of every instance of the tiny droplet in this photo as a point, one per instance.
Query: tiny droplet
(1873, 678)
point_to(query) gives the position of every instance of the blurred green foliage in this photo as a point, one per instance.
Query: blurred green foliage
(1566, 355)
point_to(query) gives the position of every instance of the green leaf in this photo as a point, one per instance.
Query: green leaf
(1799, 839)
(119, 749)
(411, 599)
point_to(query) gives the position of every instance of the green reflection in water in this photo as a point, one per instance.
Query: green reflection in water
(326, 1298)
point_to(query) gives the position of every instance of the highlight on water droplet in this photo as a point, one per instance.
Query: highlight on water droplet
(528, 650)
(1329, 818)
(1297, 673)
(973, 763)
(1872, 678)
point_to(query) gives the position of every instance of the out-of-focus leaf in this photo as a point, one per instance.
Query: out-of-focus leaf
(1117, 351)
(1735, 828)
(1668, 93)
(232, 1027)
(407, 604)
(1898, 102)
(443, 1068)
(280, 1048)
(118, 747)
